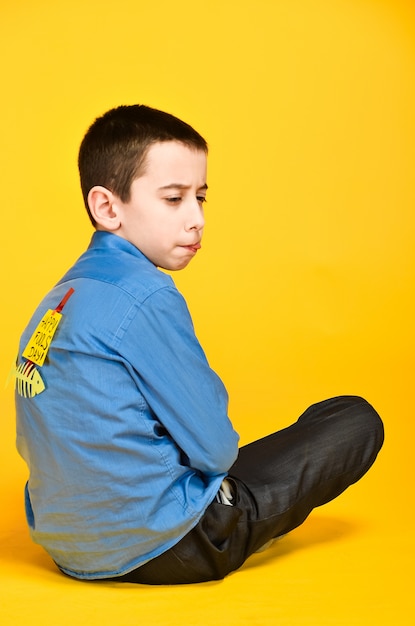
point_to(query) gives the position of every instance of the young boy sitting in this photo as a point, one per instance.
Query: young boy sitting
(135, 472)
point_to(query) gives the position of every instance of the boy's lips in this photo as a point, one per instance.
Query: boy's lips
(194, 247)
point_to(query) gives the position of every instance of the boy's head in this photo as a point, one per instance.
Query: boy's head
(114, 149)
(143, 176)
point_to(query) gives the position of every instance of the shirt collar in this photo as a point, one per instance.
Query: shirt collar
(110, 241)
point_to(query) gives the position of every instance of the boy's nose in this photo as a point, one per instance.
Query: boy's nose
(196, 219)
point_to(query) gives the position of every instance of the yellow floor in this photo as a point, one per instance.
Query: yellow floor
(307, 272)
(350, 563)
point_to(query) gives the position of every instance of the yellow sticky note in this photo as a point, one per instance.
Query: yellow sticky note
(38, 346)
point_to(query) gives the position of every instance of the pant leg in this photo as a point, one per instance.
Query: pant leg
(277, 481)
(331, 446)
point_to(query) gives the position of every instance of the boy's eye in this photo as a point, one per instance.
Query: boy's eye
(177, 199)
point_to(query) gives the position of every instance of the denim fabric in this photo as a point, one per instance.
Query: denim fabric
(130, 441)
(277, 481)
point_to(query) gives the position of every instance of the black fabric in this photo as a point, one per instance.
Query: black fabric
(276, 483)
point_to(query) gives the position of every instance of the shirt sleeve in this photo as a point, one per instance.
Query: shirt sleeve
(173, 374)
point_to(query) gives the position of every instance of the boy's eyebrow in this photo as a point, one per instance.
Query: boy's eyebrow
(181, 186)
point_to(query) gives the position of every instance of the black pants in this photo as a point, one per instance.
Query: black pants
(276, 482)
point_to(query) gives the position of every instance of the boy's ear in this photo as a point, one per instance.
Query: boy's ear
(104, 208)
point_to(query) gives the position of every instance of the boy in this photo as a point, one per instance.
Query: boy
(135, 473)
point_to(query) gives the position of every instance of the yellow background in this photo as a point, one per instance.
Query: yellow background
(304, 288)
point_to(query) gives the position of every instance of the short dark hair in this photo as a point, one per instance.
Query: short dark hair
(113, 151)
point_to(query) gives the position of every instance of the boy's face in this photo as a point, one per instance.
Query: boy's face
(164, 216)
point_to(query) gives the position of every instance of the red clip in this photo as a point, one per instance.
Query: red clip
(64, 300)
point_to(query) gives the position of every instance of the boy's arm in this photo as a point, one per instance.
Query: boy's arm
(173, 375)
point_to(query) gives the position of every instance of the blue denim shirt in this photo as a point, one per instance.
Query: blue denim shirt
(130, 440)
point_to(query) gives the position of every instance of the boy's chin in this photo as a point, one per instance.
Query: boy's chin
(175, 266)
